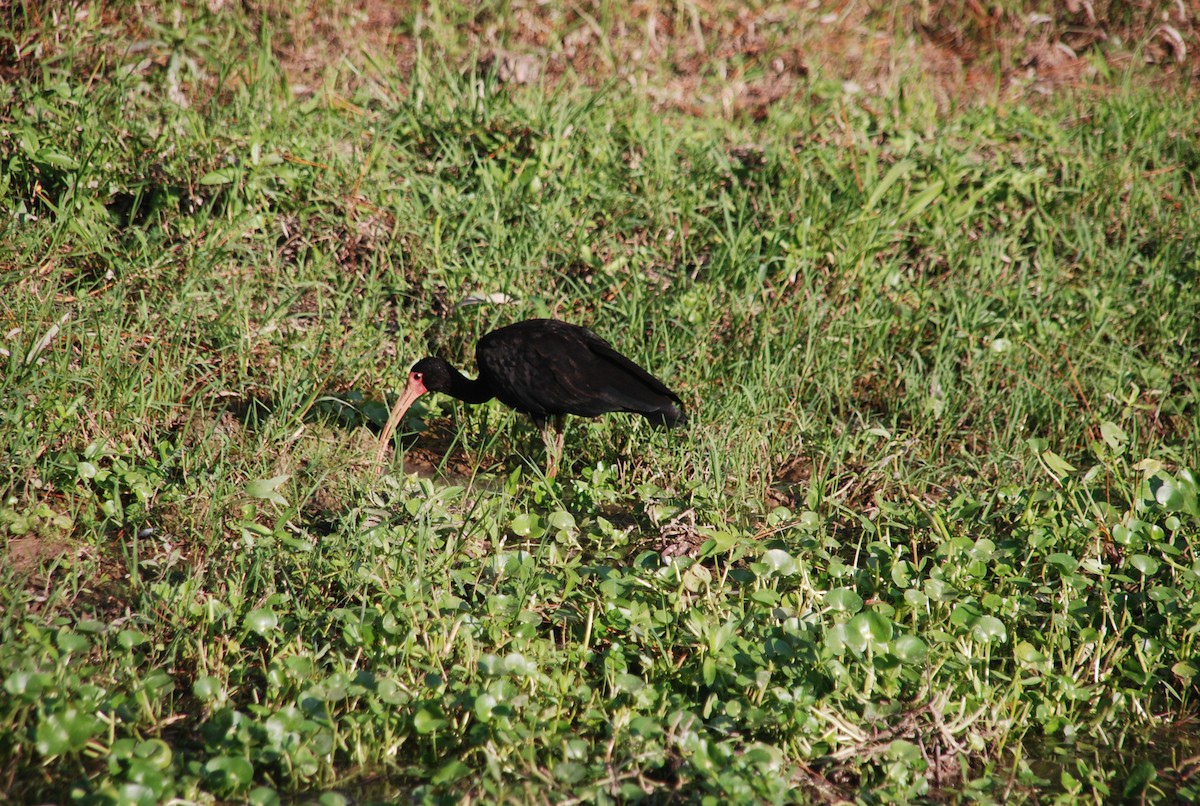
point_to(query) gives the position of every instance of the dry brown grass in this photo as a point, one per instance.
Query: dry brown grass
(698, 58)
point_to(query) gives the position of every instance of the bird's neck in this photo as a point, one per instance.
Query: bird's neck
(468, 390)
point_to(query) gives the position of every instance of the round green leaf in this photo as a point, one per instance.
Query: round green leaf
(835, 640)
(1065, 563)
(645, 726)
(484, 705)
(910, 649)
(779, 561)
(516, 663)
(262, 620)
(874, 628)
(844, 599)
(333, 799)
(262, 796)
(569, 772)
(809, 521)
(561, 520)
(141, 794)
(988, 629)
(1144, 563)
(426, 721)
(206, 688)
(145, 774)
(1167, 492)
(856, 636)
(229, 772)
(390, 692)
(1028, 653)
(66, 731)
(155, 752)
(629, 683)
(26, 683)
(71, 642)
(128, 639)
(527, 525)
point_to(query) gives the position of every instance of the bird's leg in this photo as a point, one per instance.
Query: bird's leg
(554, 443)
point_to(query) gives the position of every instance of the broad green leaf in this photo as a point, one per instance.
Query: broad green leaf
(1185, 670)
(27, 683)
(1057, 465)
(1167, 492)
(628, 683)
(1140, 777)
(920, 201)
(1063, 562)
(268, 490)
(645, 726)
(57, 159)
(897, 172)
(221, 176)
(333, 799)
(1113, 435)
(155, 752)
(450, 772)
(140, 791)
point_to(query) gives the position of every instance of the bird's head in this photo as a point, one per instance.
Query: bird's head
(428, 375)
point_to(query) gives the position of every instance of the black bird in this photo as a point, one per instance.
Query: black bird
(546, 369)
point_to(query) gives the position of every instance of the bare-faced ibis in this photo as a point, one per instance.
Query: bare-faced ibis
(546, 369)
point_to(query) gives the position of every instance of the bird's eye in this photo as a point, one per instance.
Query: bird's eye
(417, 375)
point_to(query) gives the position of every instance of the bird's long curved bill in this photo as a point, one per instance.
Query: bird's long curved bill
(411, 392)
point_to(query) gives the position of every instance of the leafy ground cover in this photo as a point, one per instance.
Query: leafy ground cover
(932, 307)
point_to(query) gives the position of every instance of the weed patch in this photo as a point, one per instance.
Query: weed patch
(930, 303)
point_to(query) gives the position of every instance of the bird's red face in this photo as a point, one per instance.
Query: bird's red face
(416, 385)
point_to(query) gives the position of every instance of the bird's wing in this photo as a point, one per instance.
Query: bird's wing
(626, 367)
(548, 367)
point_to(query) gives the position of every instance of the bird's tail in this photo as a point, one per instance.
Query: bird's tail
(669, 416)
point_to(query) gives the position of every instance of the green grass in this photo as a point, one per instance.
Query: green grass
(936, 507)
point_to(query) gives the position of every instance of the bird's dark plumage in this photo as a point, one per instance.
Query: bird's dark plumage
(547, 369)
